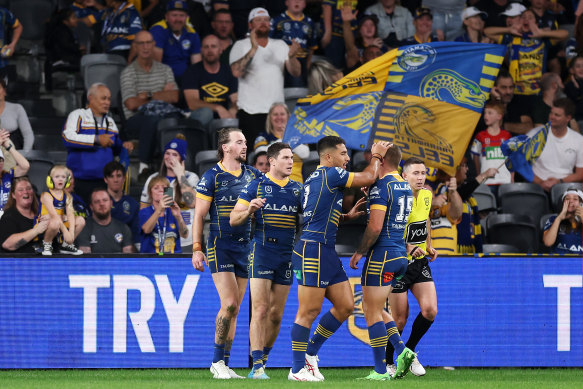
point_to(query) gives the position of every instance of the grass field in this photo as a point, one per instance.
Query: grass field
(335, 378)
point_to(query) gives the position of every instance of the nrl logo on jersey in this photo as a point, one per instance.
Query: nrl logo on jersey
(268, 189)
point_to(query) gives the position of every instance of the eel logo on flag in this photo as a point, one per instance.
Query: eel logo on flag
(416, 58)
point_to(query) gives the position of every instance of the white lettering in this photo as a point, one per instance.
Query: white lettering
(563, 283)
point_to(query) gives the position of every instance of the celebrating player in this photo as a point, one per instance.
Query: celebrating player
(274, 199)
(390, 200)
(227, 247)
(316, 265)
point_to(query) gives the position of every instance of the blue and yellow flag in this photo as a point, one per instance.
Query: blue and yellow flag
(522, 151)
(426, 98)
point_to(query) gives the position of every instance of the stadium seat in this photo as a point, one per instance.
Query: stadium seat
(310, 164)
(499, 248)
(515, 230)
(49, 142)
(557, 193)
(195, 135)
(485, 198)
(58, 157)
(543, 221)
(104, 68)
(216, 125)
(33, 15)
(38, 107)
(205, 160)
(292, 95)
(40, 164)
(523, 198)
(47, 125)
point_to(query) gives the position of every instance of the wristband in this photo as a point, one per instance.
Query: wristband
(196, 247)
(412, 251)
(377, 155)
(11, 145)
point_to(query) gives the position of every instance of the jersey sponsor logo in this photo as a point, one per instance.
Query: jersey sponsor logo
(339, 202)
(397, 226)
(118, 237)
(416, 232)
(494, 153)
(573, 247)
(374, 191)
(265, 272)
(388, 277)
(215, 89)
(324, 283)
(227, 198)
(402, 186)
(282, 208)
(341, 171)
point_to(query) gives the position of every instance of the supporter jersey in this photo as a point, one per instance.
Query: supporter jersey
(86, 12)
(322, 203)
(126, 211)
(528, 58)
(301, 30)
(222, 188)
(416, 229)
(275, 222)
(443, 228)
(487, 148)
(165, 235)
(120, 27)
(469, 229)
(569, 238)
(60, 204)
(414, 40)
(212, 88)
(5, 185)
(177, 51)
(8, 22)
(336, 6)
(391, 194)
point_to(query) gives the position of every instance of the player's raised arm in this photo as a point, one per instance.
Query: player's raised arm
(371, 172)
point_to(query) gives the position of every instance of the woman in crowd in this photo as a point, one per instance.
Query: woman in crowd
(6, 176)
(562, 233)
(321, 75)
(12, 118)
(473, 23)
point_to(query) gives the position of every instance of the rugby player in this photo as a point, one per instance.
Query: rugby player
(315, 263)
(390, 200)
(227, 247)
(275, 200)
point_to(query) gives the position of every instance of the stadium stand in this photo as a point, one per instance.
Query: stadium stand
(523, 198)
(497, 248)
(485, 198)
(104, 68)
(196, 136)
(217, 124)
(292, 95)
(515, 230)
(40, 164)
(205, 160)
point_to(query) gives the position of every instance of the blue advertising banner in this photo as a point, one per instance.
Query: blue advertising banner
(158, 312)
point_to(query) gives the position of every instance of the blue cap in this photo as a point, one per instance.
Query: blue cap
(178, 145)
(176, 5)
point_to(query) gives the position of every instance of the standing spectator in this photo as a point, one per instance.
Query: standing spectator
(9, 26)
(366, 37)
(258, 62)
(18, 230)
(551, 87)
(333, 39)
(423, 23)
(562, 233)
(209, 87)
(447, 17)
(147, 90)
(7, 176)
(516, 121)
(260, 161)
(162, 224)
(511, 15)
(574, 88)
(545, 18)
(89, 12)
(102, 233)
(120, 25)
(13, 118)
(395, 23)
(177, 44)
(293, 25)
(494, 9)
(446, 212)
(473, 20)
(124, 207)
(92, 139)
(222, 25)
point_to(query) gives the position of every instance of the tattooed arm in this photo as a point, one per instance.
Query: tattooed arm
(188, 192)
(239, 67)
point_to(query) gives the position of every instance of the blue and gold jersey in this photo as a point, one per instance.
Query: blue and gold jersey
(322, 203)
(276, 221)
(393, 195)
(222, 188)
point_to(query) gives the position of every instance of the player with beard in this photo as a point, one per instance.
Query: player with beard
(227, 247)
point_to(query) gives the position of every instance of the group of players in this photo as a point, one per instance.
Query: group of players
(395, 243)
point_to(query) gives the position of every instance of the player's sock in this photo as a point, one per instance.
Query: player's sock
(394, 337)
(257, 356)
(378, 341)
(420, 327)
(299, 337)
(219, 354)
(326, 327)
(266, 351)
(389, 355)
(227, 356)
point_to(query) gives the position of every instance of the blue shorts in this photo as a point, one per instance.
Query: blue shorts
(271, 264)
(227, 255)
(316, 264)
(383, 268)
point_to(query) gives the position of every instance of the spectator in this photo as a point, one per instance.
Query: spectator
(446, 213)
(511, 15)
(293, 25)
(210, 89)
(13, 118)
(447, 17)
(18, 230)
(79, 206)
(260, 162)
(258, 62)
(551, 88)
(423, 23)
(9, 27)
(562, 157)
(333, 39)
(395, 23)
(58, 205)
(562, 233)
(7, 176)
(473, 24)
(124, 207)
(103, 234)
(367, 36)
(88, 11)
(545, 18)
(162, 223)
(274, 129)
(92, 139)
(222, 25)
(321, 75)
(121, 23)
(494, 9)
(181, 181)
(516, 120)
(177, 44)
(574, 88)
(148, 91)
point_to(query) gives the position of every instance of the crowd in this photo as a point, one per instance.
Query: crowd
(231, 59)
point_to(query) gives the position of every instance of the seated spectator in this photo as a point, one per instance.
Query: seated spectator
(148, 91)
(562, 233)
(395, 22)
(6, 176)
(551, 88)
(177, 44)
(121, 23)
(18, 230)
(574, 88)
(222, 25)
(162, 223)
(562, 157)
(9, 27)
(14, 119)
(181, 181)
(321, 75)
(473, 25)
(332, 41)
(103, 234)
(92, 140)
(124, 207)
(516, 120)
(79, 206)
(209, 87)
(260, 162)
(58, 205)
(423, 23)
(447, 17)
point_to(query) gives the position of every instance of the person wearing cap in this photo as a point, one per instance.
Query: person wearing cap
(423, 23)
(447, 17)
(177, 43)
(395, 22)
(474, 20)
(258, 61)
(7, 176)
(562, 232)
(181, 181)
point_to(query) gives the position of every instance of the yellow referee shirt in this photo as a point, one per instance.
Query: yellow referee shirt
(416, 229)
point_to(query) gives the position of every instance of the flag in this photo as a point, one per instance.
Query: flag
(521, 152)
(426, 98)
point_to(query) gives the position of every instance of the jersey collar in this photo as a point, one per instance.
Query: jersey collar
(281, 183)
(236, 173)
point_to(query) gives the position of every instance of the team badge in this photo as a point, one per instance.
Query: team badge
(186, 44)
(268, 189)
(417, 57)
(426, 201)
(118, 237)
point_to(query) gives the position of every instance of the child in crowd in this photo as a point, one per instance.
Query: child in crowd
(56, 203)
(574, 88)
(486, 146)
